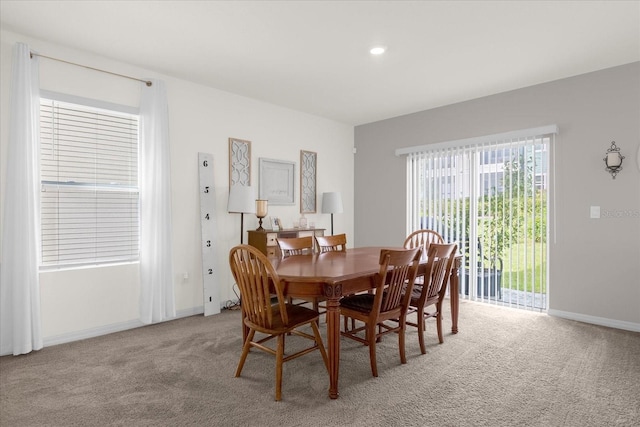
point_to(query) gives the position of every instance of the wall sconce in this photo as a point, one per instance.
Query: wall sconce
(613, 160)
(261, 212)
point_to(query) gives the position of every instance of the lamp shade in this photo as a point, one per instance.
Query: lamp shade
(332, 202)
(241, 199)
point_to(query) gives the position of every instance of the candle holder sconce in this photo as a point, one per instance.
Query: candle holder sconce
(613, 160)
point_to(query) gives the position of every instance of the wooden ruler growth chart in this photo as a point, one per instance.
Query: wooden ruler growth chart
(208, 230)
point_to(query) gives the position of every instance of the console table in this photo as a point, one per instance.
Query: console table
(265, 240)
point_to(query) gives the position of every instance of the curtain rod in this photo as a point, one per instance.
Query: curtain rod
(147, 82)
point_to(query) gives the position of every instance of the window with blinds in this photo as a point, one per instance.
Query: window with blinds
(490, 196)
(89, 175)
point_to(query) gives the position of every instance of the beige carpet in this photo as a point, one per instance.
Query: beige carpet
(506, 367)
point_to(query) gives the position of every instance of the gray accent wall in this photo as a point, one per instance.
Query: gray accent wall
(594, 270)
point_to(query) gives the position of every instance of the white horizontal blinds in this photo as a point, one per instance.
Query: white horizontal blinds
(489, 196)
(89, 173)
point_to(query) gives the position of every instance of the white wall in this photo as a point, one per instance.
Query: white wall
(85, 302)
(594, 269)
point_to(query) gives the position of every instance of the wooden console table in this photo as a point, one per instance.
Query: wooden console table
(265, 240)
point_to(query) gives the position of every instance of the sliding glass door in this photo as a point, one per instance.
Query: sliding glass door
(492, 199)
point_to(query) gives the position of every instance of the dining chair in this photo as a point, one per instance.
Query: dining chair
(299, 246)
(335, 243)
(253, 273)
(431, 291)
(389, 303)
(423, 238)
(295, 246)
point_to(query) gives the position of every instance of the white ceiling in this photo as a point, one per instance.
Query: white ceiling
(313, 56)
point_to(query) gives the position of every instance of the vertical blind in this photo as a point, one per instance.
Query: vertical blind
(89, 174)
(491, 197)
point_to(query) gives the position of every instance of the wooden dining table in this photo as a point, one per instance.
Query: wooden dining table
(332, 275)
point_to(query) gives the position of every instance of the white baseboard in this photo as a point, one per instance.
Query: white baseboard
(602, 321)
(102, 330)
(109, 329)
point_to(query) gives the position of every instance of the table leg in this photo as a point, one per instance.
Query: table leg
(454, 294)
(333, 338)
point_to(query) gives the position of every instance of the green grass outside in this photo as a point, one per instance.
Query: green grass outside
(516, 277)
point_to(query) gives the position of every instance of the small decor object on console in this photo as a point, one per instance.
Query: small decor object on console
(275, 223)
(613, 160)
(261, 211)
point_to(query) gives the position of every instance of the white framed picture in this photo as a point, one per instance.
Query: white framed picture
(275, 223)
(277, 183)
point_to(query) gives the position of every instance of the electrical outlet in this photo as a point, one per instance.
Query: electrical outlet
(595, 212)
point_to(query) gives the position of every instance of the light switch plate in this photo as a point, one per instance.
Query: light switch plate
(595, 212)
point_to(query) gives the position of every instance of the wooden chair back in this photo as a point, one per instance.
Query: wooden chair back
(423, 238)
(335, 243)
(295, 246)
(252, 271)
(397, 271)
(298, 246)
(440, 261)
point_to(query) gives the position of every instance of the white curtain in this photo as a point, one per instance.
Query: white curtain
(20, 326)
(157, 302)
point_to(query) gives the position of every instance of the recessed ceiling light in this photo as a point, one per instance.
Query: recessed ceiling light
(378, 50)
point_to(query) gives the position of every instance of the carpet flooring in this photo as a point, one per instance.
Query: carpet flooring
(505, 367)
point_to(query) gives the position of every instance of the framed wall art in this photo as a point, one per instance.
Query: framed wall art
(277, 183)
(308, 162)
(239, 162)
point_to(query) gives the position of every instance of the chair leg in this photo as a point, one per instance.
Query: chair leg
(279, 357)
(245, 351)
(420, 319)
(439, 325)
(319, 343)
(371, 338)
(403, 354)
(346, 323)
(316, 307)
